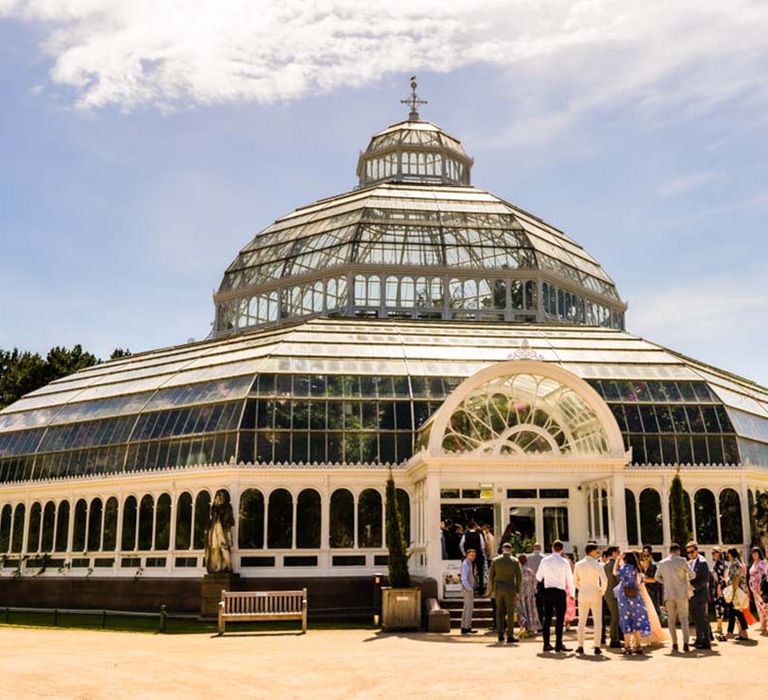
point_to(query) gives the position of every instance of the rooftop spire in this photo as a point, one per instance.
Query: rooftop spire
(413, 101)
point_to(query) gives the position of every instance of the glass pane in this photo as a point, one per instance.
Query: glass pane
(17, 538)
(94, 525)
(163, 522)
(33, 531)
(62, 527)
(146, 512)
(308, 520)
(128, 539)
(404, 506)
(49, 524)
(555, 525)
(250, 533)
(78, 534)
(342, 523)
(630, 505)
(369, 519)
(110, 525)
(651, 529)
(706, 516)
(202, 515)
(280, 520)
(184, 521)
(730, 517)
(5, 528)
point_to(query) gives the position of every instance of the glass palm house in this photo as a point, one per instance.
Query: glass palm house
(418, 323)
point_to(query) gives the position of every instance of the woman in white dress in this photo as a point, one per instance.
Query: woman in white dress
(657, 636)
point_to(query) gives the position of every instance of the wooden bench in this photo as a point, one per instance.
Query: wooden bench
(254, 606)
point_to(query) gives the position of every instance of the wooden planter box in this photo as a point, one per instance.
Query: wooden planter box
(400, 608)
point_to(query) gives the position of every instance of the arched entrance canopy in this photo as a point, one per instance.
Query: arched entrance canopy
(523, 407)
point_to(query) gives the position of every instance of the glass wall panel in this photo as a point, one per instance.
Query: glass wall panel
(163, 522)
(5, 528)
(250, 532)
(308, 520)
(202, 516)
(17, 537)
(342, 519)
(62, 526)
(184, 521)
(651, 529)
(49, 525)
(706, 517)
(280, 520)
(94, 525)
(128, 536)
(369, 519)
(630, 506)
(146, 514)
(33, 530)
(404, 506)
(110, 525)
(79, 526)
(555, 525)
(731, 526)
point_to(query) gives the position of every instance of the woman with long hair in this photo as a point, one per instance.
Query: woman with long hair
(633, 613)
(736, 579)
(527, 614)
(758, 573)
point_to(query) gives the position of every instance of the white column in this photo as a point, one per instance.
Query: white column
(619, 536)
(665, 512)
(578, 517)
(745, 514)
(432, 528)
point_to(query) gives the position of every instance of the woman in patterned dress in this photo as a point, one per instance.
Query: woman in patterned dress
(736, 578)
(719, 567)
(757, 572)
(527, 615)
(633, 614)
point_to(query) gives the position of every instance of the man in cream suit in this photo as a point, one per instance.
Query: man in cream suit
(676, 576)
(591, 582)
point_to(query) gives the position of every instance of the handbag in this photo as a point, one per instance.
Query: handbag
(728, 594)
(740, 600)
(630, 590)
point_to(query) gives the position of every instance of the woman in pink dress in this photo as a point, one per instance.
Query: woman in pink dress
(570, 596)
(757, 573)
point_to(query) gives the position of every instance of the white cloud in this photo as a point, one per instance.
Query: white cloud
(687, 182)
(568, 57)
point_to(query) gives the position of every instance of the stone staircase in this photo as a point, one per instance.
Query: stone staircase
(483, 614)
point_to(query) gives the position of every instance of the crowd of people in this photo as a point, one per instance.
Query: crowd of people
(628, 595)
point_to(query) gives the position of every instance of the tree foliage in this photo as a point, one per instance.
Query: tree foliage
(22, 371)
(679, 525)
(398, 549)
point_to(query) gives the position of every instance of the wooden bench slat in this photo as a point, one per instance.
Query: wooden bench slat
(252, 606)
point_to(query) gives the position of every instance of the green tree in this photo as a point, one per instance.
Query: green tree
(117, 353)
(679, 525)
(398, 554)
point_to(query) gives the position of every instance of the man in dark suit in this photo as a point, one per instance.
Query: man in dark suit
(700, 599)
(610, 597)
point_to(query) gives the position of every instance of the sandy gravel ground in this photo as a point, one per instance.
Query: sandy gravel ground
(355, 663)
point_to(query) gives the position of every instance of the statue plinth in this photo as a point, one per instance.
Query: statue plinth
(211, 586)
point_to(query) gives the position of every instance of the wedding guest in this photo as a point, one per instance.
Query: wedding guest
(610, 597)
(504, 581)
(719, 568)
(473, 539)
(758, 573)
(556, 575)
(633, 614)
(535, 557)
(675, 576)
(648, 569)
(527, 613)
(591, 582)
(700, 598)
(737, 581)
(468, 584)
(490, 543)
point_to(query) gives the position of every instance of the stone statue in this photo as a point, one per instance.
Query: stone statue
(218, 537)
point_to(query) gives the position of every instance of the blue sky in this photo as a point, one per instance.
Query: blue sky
(142, 144)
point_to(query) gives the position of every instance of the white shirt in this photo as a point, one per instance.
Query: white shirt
(590, 579)
(556, 572)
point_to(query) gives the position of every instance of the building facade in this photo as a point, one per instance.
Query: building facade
(416, 324)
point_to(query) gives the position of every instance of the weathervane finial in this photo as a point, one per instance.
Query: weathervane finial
(413, 101)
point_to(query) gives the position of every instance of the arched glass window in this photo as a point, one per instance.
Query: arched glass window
(308, 520)
(62, 527)
(146, 513)
(630, 506)
(280, 520)
(184, 521)
(369, 519)
(49, 524)
(94, 526)
(33, 531)
(128, 539)
(110, 525)
(202, 515)
(5, 528)
(17, 538)
(404, 506)
(342, 523)
(731, 528)
(651, 529)
(163, 522)
(250, 531)
(80, 524)
(706, 516)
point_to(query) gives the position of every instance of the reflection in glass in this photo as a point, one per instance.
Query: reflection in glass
(651, 529)
(250, 531)
(280, 520)
(342, 522)
(308, 520)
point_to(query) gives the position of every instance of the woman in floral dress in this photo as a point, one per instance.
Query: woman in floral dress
(719, 568)
(633, 615)
(527, 615)
(757, 572)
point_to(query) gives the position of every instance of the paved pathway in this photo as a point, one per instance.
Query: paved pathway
(354, 663)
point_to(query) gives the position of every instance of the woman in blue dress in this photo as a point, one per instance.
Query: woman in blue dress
(633, 615)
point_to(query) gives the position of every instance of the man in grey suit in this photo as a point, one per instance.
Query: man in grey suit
(504, 579)
(676, 576)
(610, 597)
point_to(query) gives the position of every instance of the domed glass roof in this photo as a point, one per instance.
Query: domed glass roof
(415, 240)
